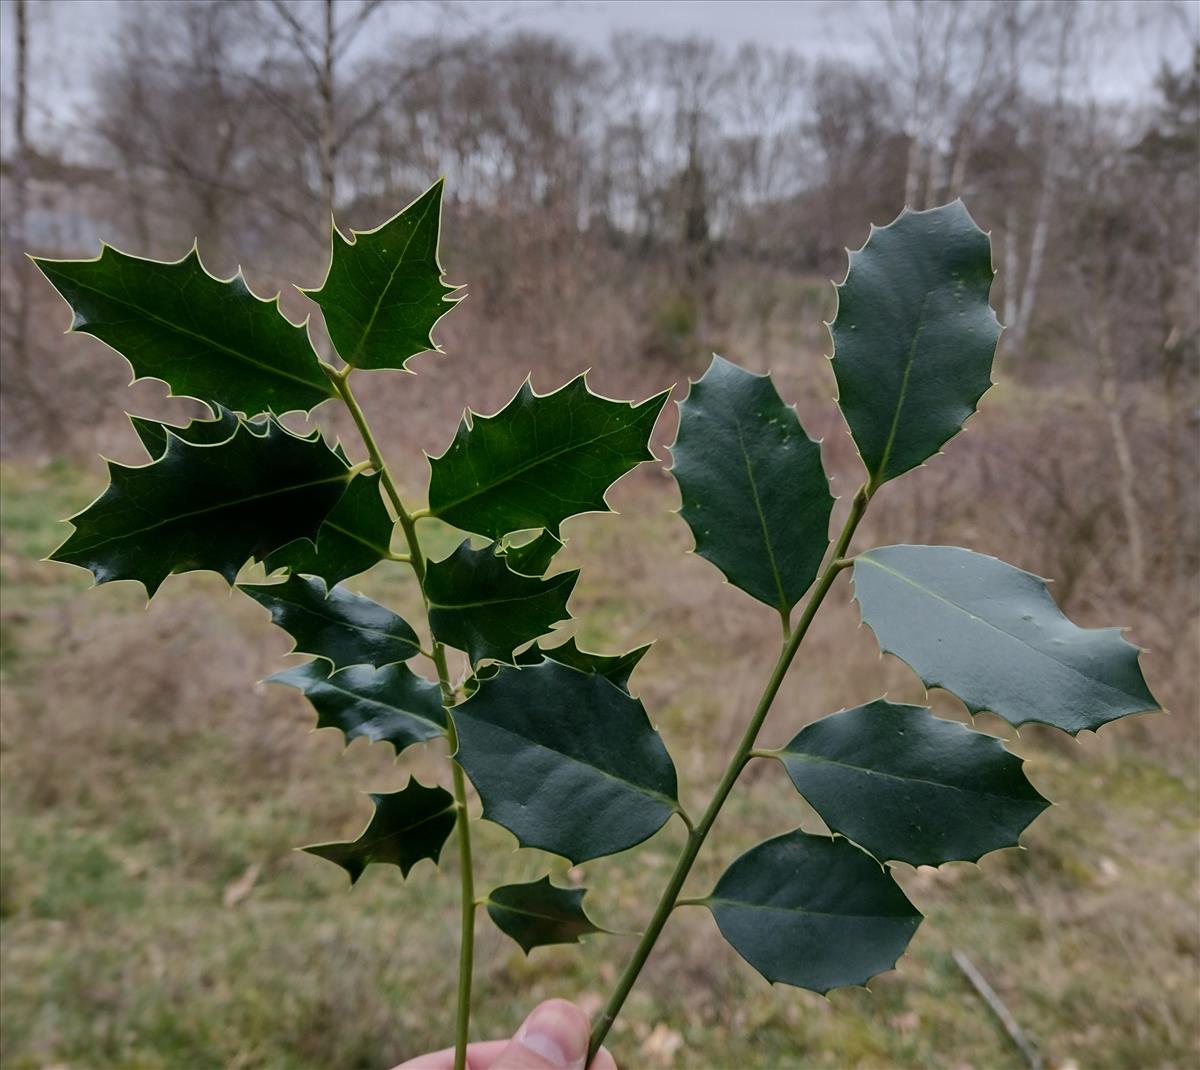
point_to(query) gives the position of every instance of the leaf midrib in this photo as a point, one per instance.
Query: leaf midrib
(865, 557)
(180, 329)
(342, 622)
(721, 901)
(233, 503)
(552, 587)
(881, 474)
(480, 489)
(820, 760)
(561, 918)
(400, 261)
(369, 700)
(762, 520)
(364, 845)
(671, 804)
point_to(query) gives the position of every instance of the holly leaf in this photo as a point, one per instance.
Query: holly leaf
(914, 336)
(355, 536)
(482, 673)
(206, 338)
(906, 785)
(206, 507)
(813, 912)
(383, 292)
(407, 825)
(153, 435)
(565, 760)
(478, 604)
(616, 668)
(992, 635)
(392, 704)
(346, 628)
(754, 492)
(533, 558)
(538, 914)
(540, 459)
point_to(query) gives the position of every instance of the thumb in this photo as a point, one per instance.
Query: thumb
(553, 1037)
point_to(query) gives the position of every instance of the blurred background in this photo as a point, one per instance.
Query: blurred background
(629, 188)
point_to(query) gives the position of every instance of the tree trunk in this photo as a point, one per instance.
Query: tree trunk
(911, 178)
(46, 420)
(328, 133)
(1126, 472)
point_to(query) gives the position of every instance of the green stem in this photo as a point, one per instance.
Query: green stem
(683, 865)
(416, 559)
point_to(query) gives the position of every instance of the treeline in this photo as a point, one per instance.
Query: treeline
(676, 192)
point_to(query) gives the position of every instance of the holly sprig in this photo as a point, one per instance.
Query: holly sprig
(560, 751)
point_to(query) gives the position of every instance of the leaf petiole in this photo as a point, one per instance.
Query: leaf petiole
(416, 560)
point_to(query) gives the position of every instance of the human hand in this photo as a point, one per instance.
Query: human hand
(554, 1037)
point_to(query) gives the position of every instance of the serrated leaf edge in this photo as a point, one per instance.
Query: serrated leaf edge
(875, 480)
(451, 298)
(777, 753)
(469, 416)
(974, 710)
(238, 277)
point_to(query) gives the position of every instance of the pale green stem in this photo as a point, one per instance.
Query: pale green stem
(683, 865)
(416, 559)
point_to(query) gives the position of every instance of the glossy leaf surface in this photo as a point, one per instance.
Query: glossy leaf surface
(813, 912)
(537, 914)
(346, 628)
(754, 492)
(539, 460)
(565, 760)
(206, 507)
(615, 667)
(914, 336)
(383, 292)
(407, 825)
(355, 536)
(153, 435)
(992, 635)
(533, 558)
(478, 604)
(907, 785)
(205, 337)
(392, 704)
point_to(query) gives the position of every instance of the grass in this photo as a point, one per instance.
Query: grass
(155, 914)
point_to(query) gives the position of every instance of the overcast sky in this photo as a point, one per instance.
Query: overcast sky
(68, 35)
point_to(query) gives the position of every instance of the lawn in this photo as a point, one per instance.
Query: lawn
(155, 913)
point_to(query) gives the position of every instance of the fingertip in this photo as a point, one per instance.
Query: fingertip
(603, 1061)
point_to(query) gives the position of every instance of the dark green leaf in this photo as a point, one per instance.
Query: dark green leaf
(754, 492)
(533, 558)
(392, 704)
(914, 336)
(356, 535)
(408, 825)
(566, 761)
(206, 507)
(205, 337)
(906, 785)
(483, 672)
(478, 604)
(615, 667)
(384, 293)
(813, 912)
(992, 635)
(153, 435)
(537, 914)
(541, 459)
(346, 628)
